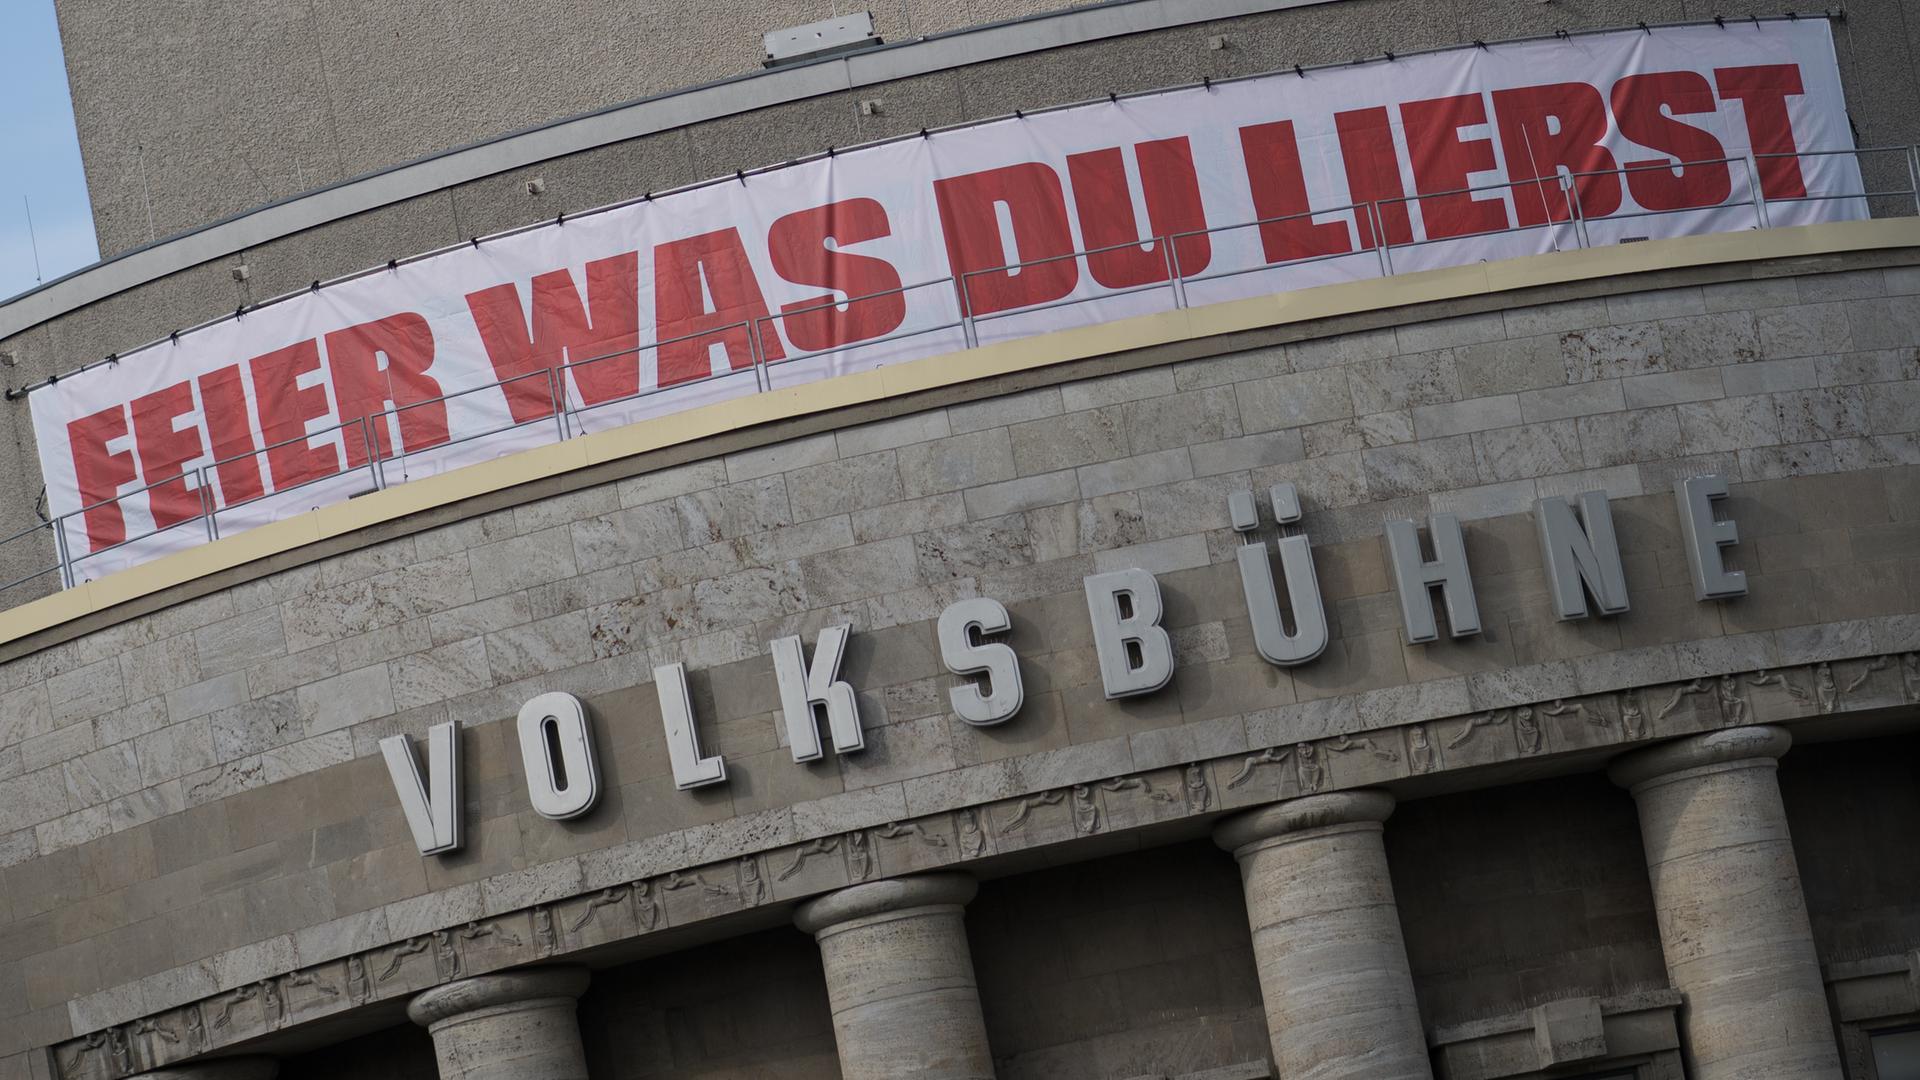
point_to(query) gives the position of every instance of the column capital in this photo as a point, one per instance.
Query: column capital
(1754, 744)
(1294, 816)
(239, 1068)
(880, 897)
(506, 988)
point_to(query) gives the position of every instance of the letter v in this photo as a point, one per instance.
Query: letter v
(432, 806)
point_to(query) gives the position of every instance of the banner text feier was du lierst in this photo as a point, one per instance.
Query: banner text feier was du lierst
(259, 398)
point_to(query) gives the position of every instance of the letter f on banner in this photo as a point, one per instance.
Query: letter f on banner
(802, 688)
(432, 806)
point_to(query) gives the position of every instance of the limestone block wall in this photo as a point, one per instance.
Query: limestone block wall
(191, 801)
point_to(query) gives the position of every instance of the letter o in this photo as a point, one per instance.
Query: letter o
(556, 746)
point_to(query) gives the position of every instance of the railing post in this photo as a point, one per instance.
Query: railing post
(1380, 238)
(1173, 272)
(206, 502)
(375, 469)
(1580, 235)
(61, 552)
(968, 332)
(1759, 200)
(559, 400)
(1913, 177)
(762, 378)
(1372, 210)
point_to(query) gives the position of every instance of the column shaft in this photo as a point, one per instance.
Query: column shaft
(1326, 938)
(516, 1025)
(900, 979)
(1733, 919)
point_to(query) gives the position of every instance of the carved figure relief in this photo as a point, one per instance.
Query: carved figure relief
(119, 1051)
(546, 939)
(1272, 755)
(604, 898)
(1420, 753)
(410, 947)
(677, 880)
(1526, 727)
(1733, 707)
(894, 830)
(70, 1065)
(1026, 808)
(1473, 723)
(1086, 812)
(1199, 795)
(358, 988)
(1561, 707)
(1341, 744)
(1878, 663)
(446, 956)
(474, 931)
(973, 839)
(1632, 721)
(646, 905)
(1680, 693)
(147, 1031)
(244, 994)
(859, 856)
(1824, 691)
(1135, 783)
(753, 887)
(196, 1029)
(1306, 762)
(807, 850)
(308, 979)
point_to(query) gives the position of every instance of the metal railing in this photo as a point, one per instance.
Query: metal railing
(569, 397)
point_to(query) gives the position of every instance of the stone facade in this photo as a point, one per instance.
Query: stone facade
(205, 854)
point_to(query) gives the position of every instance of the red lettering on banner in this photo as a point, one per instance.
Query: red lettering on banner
(1692, 176)
(1104, 205)
(223, 397)
(1442, 162)
(1762, 92)
(363, 387)
(1373, 173)
(164, 449)
(285, 408)
(797, 244)
(680, 306)
(1037, 208)
(1280, 191)
(1546, 128)
(563, 331)
(100, 474)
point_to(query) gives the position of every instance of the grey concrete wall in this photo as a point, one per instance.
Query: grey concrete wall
(1516, 896)
(1854, 808)
(191, 800)
(1132, 965)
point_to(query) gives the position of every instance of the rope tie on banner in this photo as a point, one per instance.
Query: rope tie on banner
(393, 264)
(239, 311)
(174, 337)
(474, 240)
(1643, 25)
(1720, 21)
(1300, 71)
(740, 175)
(1389, 55)
(1793, 16)
(1113, 98)
(1478, 44)
(1206, 83)
(315, 287)
(560, 218)
(923, 134)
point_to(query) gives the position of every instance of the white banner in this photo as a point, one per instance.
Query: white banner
(684, 294)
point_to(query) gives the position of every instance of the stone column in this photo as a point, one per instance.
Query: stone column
(242, 1068)
(900, 979)
(515, 1025)
(1326, 938)
(1733, 921)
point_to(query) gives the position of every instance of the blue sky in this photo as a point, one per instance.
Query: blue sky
(41, 153)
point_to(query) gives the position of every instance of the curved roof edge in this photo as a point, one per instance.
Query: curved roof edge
(616, 123)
